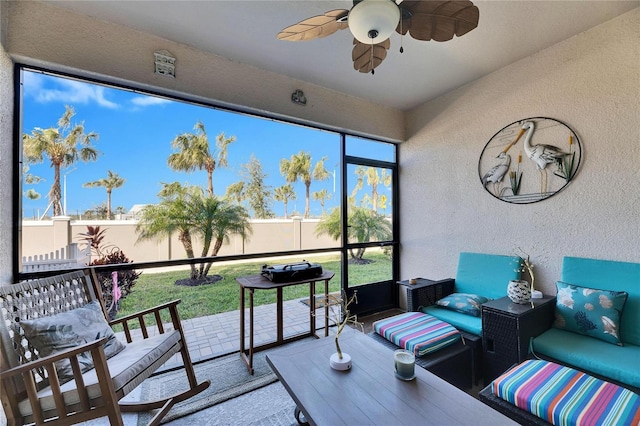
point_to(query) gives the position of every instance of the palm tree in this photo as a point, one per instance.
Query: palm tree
(299, 168)
(235, 192)
(284, 193)
(228, 219)
(322, 196)
(64, 146)
(194, 153)
(214, 220)
(111, 182)
(364, 225)
(373, 179)
(169, 216)
(189, 212)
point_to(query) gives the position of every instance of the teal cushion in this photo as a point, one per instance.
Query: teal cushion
(595, 313)
(610, 275)
(56, 333)
(486, 274)
(619, 363)
(463, 322)
(465, 303)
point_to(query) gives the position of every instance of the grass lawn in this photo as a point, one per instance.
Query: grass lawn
(153, 289)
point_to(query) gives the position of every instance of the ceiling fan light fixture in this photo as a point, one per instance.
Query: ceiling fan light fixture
(373, 21)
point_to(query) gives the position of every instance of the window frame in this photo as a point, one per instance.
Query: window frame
(17, 213)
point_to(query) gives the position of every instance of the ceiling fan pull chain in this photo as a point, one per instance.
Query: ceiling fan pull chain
(401, 35)
(372, 66)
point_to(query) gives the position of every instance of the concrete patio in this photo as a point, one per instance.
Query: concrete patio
(215, 335)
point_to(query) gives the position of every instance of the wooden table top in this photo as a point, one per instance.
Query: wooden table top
(370, 393)
(259, 282)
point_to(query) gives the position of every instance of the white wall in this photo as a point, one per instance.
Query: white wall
(592, 83)
(6, 153)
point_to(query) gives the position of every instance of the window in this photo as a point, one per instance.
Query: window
(135, 150)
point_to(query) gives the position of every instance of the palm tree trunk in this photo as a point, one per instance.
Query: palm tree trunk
(306, 204)
(216, 248)
(108, 204)
(210, 183)
(185, 239)
(374, 197)
(55, 195)
(352, 254)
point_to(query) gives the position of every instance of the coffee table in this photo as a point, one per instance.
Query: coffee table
(370, 393)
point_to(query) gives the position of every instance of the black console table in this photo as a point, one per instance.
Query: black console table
(507, 328)
(425, 292)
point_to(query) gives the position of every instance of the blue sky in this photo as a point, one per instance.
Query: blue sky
(135, 133)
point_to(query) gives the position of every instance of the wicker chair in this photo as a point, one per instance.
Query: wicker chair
(30, 388)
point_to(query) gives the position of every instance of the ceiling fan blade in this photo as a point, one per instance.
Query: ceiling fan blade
(367, 57)
(437, 20)
(316, 26)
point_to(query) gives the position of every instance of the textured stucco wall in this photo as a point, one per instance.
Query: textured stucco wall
(6, 126)
(66, 41)
(592, 83)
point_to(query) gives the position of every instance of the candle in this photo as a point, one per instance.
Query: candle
(404, 362)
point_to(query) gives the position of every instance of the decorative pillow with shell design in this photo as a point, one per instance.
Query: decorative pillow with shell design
(592, 312)
(464, 303)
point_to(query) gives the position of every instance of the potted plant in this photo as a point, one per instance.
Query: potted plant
(341, 360)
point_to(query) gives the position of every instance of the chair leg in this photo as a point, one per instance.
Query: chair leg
(163, 412)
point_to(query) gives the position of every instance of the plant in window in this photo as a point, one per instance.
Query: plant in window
(187, 211)
(364, 225)
(115, 285)
(298, 167)
(64, 146)
(111, 182)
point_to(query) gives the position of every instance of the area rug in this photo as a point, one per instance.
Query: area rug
(229, 379)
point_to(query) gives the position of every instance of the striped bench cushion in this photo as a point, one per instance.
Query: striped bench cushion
(417, 332)
(564, 396)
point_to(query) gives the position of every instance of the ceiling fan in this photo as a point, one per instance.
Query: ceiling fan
(373, 21)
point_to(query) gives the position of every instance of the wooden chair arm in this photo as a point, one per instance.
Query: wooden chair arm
(51, 359)
(28, 374)
(155, 311)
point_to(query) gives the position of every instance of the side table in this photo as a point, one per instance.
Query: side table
(507, 328)
(251, 283)
(425, 292)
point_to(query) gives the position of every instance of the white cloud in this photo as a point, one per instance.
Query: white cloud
(148, 101)
(68, 92)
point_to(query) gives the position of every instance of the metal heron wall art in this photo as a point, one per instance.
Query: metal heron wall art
(556, 147)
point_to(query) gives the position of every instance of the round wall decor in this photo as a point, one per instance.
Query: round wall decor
(529, 160)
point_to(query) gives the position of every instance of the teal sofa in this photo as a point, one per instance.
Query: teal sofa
(620, 364)
(484, 274)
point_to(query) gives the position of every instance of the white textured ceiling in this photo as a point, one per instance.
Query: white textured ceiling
(245, 31)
